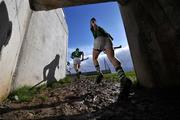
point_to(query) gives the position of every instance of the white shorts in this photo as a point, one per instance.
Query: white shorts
(76, 61)
(102, 43)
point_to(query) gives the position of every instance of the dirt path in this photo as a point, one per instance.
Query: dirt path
(83, 100)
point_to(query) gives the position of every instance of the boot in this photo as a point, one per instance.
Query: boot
(125, 88)
(99, 78)
(78, 74)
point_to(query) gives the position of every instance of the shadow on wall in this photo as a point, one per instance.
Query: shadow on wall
(51, 68)
(5, 26)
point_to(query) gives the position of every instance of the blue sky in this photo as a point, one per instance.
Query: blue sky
(78, 20)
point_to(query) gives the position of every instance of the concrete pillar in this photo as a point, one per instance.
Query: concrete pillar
(132, 31)
(151, 37)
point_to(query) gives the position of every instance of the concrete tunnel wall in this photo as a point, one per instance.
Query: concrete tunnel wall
(45, 38)
(18, 13)
(132, 30)
(152, 29)
(35, 40)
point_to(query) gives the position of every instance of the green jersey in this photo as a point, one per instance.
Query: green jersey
(76, 54)
(100, 32)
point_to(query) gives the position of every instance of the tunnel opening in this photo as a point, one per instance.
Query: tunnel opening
(80, 36)
(5, 26)
(152, 29)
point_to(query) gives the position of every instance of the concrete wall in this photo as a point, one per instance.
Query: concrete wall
(152, 29)
(19, 14)
(54, 4)
(46, 37)
(28, 42)
(132, 31)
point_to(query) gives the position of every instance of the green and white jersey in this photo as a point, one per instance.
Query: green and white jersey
(76, 54)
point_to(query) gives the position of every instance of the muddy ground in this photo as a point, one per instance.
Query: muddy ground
(85, 100)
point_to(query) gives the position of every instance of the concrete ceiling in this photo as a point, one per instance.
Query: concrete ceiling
(38, 5)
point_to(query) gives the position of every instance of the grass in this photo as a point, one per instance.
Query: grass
(26, 94)
(61, 82)
(66, 80)
(114, 77)
(43, 98)
(132, 76)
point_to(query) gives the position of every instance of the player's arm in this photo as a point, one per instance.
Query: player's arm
(82, 54)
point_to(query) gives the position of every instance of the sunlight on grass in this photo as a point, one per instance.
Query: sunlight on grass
(23, 94)
(114, 77)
